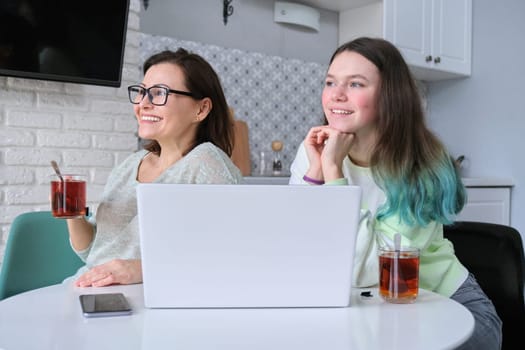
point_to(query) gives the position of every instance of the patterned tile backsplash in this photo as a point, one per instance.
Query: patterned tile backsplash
(279, 98)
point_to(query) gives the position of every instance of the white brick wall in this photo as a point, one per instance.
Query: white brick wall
(86, 129)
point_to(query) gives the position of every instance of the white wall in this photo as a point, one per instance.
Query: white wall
(483, 116)
(85, 128)
(251, 28)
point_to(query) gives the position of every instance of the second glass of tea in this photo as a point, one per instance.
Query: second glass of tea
(399, 274)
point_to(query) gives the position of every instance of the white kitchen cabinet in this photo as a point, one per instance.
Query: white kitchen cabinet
(488, 201)
(434, 36)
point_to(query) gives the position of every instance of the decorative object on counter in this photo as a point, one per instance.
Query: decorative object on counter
(277, 165)
(227, 10)
(262, 163)
(459, 160)
(461, 163)
(241, 145)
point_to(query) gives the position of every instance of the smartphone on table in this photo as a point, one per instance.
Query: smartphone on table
(103, 305)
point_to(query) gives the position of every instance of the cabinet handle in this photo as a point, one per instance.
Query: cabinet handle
(428, 58)
(437, 59)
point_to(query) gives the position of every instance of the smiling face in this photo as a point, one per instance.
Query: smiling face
(178, 119)
(350, 95)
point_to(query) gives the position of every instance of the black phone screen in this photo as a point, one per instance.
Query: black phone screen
(108, 304)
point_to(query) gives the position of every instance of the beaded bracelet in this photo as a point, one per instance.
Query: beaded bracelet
(313, 181)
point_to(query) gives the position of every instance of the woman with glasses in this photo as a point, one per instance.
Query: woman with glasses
(181, 109)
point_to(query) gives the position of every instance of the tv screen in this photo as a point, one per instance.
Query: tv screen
(64, 40)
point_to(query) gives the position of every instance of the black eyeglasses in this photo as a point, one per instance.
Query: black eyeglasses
(158, 95)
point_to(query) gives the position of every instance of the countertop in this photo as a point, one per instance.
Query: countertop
(468, 181)
(267, 180)
(487, 182)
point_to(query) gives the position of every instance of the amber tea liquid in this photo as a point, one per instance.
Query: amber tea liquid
(401, 284)
(68, 198)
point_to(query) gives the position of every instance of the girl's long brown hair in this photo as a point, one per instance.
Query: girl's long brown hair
(408, 162)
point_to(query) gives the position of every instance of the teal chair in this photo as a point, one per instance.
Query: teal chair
(37, 254)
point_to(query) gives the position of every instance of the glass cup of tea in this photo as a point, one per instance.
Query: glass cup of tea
(68, 196)
(399, 274)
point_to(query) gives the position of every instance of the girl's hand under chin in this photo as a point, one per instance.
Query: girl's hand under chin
(337, 145)
(326, 149)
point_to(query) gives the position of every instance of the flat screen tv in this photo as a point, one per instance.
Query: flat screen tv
(64, 40)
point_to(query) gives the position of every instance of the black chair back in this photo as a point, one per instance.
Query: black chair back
(494, 254)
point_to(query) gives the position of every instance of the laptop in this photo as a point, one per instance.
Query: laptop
(247, 246)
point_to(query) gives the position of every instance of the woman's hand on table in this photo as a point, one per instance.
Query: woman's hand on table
(117, 271)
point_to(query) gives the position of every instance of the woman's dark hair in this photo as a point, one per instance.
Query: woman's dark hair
(202, 80)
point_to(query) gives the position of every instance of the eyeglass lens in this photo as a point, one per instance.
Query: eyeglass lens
(157, 95)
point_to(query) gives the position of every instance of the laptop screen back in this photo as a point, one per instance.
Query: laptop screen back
(247, 245)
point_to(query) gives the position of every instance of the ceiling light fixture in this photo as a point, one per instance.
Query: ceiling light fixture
(292, 13)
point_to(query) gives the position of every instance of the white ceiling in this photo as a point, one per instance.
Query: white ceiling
(335, 5)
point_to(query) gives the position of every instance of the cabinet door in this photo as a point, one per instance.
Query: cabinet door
(487, 204)
(434, 36)
(407, 25)
(452, 39)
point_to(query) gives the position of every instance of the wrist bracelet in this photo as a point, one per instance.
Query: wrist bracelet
(313, 181)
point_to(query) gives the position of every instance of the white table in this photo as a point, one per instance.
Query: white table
(51, 318)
